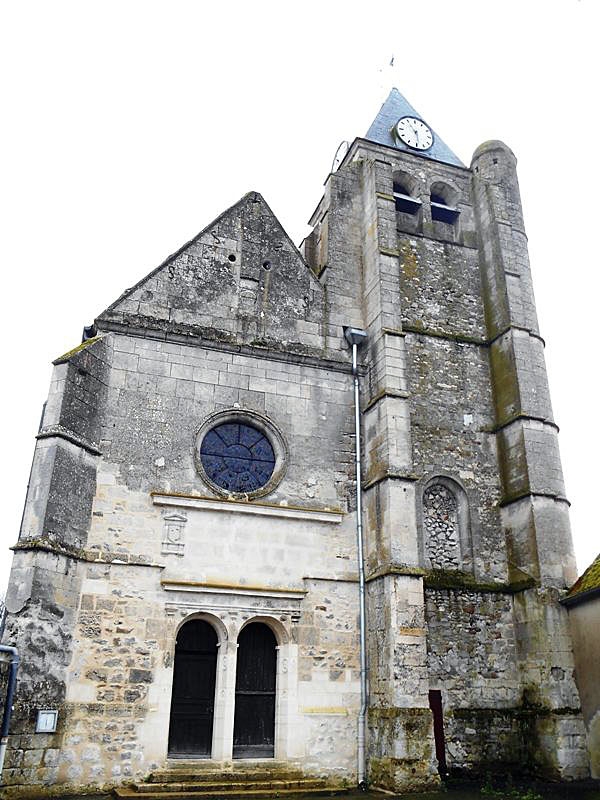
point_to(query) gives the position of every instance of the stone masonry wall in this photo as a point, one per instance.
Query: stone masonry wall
(471, 658)
(161, 393)
(42, 604)
(329, 676)
(441, 289)
(114, 711)
(450, 411)
(119, 643)
(449, 383)
(240, 280)
(440, 523)
(115, 718)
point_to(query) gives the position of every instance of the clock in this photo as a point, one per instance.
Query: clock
(339, 156)
(414, 132)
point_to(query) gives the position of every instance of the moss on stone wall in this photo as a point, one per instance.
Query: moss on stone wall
(70, 353)
(441, 579)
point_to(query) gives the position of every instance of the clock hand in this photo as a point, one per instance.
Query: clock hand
(416, 132)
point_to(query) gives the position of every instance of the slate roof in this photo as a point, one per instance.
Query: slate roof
(585, 586)
(397, 106)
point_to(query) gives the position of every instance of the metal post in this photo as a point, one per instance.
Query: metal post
(356, 337)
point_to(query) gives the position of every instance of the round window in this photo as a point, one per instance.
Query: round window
(241, 454)
(237, 457)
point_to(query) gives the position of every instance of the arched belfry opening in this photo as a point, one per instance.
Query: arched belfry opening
(255, 690)
(193, 695)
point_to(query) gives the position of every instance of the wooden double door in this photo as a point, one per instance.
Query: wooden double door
(193, 697)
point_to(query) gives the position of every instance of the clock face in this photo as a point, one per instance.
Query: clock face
(414, 133)
(339, 155)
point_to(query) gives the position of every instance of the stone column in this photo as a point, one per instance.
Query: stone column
(288, 745)
(222, 748)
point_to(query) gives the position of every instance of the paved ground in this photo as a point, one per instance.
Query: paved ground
(535, 792)
(563, 792)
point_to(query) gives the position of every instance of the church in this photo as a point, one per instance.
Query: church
(187, 593)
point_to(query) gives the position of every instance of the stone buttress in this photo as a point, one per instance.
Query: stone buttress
(534, 508)
(44, 593)
(356, 223)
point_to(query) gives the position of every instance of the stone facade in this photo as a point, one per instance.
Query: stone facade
(127, 535)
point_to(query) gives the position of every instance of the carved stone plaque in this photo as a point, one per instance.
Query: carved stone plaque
(174, 534)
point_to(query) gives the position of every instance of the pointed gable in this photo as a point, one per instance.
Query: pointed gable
(397, 106)
(241, 279)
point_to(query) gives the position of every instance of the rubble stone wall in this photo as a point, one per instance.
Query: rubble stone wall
(471, 659)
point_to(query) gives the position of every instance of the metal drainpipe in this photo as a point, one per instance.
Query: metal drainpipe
(356, 337)
(10, 693)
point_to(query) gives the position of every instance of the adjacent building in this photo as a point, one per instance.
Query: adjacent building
(583, 602)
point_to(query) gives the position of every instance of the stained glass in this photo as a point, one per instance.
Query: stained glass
(237, 457)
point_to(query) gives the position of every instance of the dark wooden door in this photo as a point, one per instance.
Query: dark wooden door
(193, 697)
(254, 722)
(435, 704)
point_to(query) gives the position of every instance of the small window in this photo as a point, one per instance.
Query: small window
(403, 201)
(441, 211)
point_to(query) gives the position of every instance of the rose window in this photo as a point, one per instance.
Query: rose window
(237, 457)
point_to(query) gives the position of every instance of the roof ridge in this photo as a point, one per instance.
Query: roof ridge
(588, 582)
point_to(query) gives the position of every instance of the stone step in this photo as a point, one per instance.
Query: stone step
(225, 794)
(239, 787)
(236, 765)
(186, 773)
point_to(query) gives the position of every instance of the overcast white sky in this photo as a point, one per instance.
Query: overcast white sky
(128, 126)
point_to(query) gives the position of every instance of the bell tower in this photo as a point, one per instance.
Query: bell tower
(468, 546)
